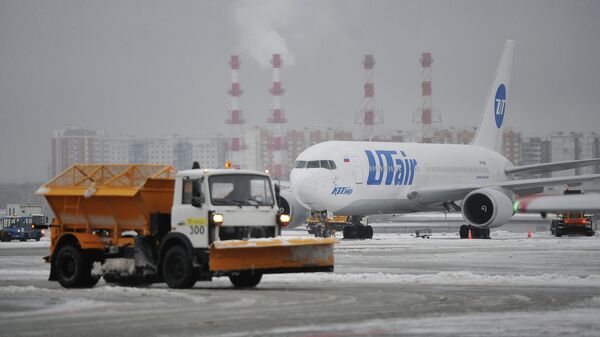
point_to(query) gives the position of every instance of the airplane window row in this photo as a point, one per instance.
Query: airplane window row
(326, 164)
(458, 169)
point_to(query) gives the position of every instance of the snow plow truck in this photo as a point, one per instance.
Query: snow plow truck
(141, 224)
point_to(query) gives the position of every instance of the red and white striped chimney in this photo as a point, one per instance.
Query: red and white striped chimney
(277, 144)
(236, 144)
(368, 117)
(427, 103)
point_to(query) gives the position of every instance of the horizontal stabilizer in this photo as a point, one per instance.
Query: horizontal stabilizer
(551, 167)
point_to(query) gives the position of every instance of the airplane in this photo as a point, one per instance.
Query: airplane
(358, 179)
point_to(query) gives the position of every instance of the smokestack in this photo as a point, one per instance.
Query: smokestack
(277, 146)
(368, 116)
(235, 119)
(427, 104)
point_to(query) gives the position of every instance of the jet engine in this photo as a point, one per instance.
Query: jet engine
(291, 206)
(488, 207)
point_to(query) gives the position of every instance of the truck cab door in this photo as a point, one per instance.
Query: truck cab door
(189, 215)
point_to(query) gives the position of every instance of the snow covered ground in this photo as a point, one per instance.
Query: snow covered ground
(392, 285)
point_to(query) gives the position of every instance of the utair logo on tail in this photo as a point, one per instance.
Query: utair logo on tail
(500, 105)
(399, 170)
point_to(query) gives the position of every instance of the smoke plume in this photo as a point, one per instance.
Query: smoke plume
(262, 26)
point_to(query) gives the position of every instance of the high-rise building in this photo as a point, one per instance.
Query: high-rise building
(75, 145)
(82, 146)
(588, 147)
(511, 145)
(116, 150)
(296, 143)
(564, 148)
(574, 146)
(535, 150)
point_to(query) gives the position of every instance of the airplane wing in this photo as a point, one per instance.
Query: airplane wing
(557, 203)
(434, 194)
(551, 167)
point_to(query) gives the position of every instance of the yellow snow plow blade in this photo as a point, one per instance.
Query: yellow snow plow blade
(273, 255)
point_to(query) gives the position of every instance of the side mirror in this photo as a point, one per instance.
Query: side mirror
(198, 201)
(277, 193)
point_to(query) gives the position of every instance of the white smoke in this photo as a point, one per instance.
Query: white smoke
(262, 25)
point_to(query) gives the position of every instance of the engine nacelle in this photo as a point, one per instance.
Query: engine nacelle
(488, 207)
(292, 206)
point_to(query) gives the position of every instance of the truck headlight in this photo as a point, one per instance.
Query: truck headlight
(284, 219)
(218, 219)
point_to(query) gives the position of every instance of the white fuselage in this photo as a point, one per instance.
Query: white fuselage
(375, 178)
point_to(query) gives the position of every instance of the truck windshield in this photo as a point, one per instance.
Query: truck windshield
(240, 190)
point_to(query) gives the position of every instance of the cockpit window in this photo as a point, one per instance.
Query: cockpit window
(326, 164)
(313, 164)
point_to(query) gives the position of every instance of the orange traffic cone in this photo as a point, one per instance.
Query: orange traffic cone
(470, 235)
(529, 233)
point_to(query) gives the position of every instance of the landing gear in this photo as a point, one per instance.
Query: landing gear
(476, 233)
(356, 230)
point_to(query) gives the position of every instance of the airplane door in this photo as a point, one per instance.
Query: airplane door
(358, 178)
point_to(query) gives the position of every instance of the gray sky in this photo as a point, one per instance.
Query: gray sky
(150, 68)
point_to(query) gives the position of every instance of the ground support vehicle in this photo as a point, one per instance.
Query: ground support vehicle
(22, 228)
(572, 222)
(321, 225)
(424, 233)
(569, 223)
(134, 224)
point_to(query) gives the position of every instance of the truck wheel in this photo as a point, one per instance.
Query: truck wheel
(177, 268)
(347, 232)
(245, 279)
(73, 270)
(369, 232)
(464, 231)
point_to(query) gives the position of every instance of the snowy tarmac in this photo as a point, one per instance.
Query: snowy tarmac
(392, 285)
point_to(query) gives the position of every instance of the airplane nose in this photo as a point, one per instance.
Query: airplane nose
(304, 186)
